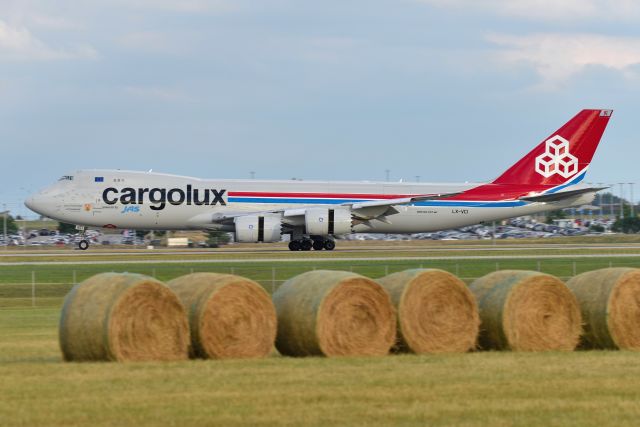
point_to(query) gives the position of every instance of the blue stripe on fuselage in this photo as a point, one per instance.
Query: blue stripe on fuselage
(453, 203)
(289, 201)
(572, 182)
(443, 203)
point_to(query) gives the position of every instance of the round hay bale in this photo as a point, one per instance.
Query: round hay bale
(229, 316)
(610, 303)
(526, 311)
(334, 313)
(436, 312)
(123, 317)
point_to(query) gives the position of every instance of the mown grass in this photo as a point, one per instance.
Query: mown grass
(503, 389)
(498, 389)
(52, 282)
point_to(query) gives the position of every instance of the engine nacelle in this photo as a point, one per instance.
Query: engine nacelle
(326, 222)
(254, 228)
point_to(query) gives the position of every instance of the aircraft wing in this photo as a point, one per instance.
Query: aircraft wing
(561, 195)
(380, 209)
(372, 208)
(367, 210)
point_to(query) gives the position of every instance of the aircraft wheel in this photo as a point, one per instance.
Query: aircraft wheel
(329, 244)
(83, 245)
(307, 244)
(294, 245)
(318, 245)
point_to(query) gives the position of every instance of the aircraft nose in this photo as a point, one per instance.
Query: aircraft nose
(32, 203)
(29, 202)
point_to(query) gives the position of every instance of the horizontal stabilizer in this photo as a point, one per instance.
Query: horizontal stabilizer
(561, 195)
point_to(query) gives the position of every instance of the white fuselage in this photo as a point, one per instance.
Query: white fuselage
(138, 200)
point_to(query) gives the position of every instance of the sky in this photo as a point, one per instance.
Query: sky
(443, 90)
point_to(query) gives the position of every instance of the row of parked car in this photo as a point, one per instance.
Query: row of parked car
(45, 237)
(516, 228)
(513, 229)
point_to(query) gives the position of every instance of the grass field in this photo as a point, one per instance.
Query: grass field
(592, 388)
(50, 283)
(498, 389)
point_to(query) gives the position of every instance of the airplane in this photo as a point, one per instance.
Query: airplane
(314, 212)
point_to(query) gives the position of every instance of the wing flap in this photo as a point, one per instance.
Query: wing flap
(399, 201)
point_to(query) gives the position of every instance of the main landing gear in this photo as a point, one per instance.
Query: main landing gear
(317, 243)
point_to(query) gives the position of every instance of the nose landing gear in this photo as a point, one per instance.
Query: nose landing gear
(83, 244)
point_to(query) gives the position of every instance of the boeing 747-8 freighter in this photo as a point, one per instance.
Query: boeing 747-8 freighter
(312, 212)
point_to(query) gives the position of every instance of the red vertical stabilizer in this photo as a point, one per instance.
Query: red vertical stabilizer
(564, 155)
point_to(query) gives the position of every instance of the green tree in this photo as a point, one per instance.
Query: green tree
(12, 227)
(627, 225)
(156, 234)
(559, 214)
(597, 228)
(65, 228)
(217, 238)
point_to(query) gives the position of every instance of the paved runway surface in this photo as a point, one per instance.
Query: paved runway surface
(351, 249)
(320, 260)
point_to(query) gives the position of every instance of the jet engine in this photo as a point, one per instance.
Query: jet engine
(254, 228)
(326, 222)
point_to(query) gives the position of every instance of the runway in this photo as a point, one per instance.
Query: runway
(321, 260)
(351, 249)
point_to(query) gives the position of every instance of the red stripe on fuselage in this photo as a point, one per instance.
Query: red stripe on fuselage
(320, 195)
(484, 192)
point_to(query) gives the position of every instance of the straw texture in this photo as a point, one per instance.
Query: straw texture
(333, 313)
(436, 312)
(526, 311)
(123, 317)
(610, 303)
(229, 316)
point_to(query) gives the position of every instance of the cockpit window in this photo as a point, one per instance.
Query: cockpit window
(66, 178)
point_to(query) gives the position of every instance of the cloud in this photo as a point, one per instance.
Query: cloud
(17, 43)
(330, 49)
(185, 6)
(549, 10)
(157, 93)
(54, 23)
(558, 57)
(152, 42)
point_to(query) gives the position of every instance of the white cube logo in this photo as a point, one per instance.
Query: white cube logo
(556, 159)
(557, 146)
